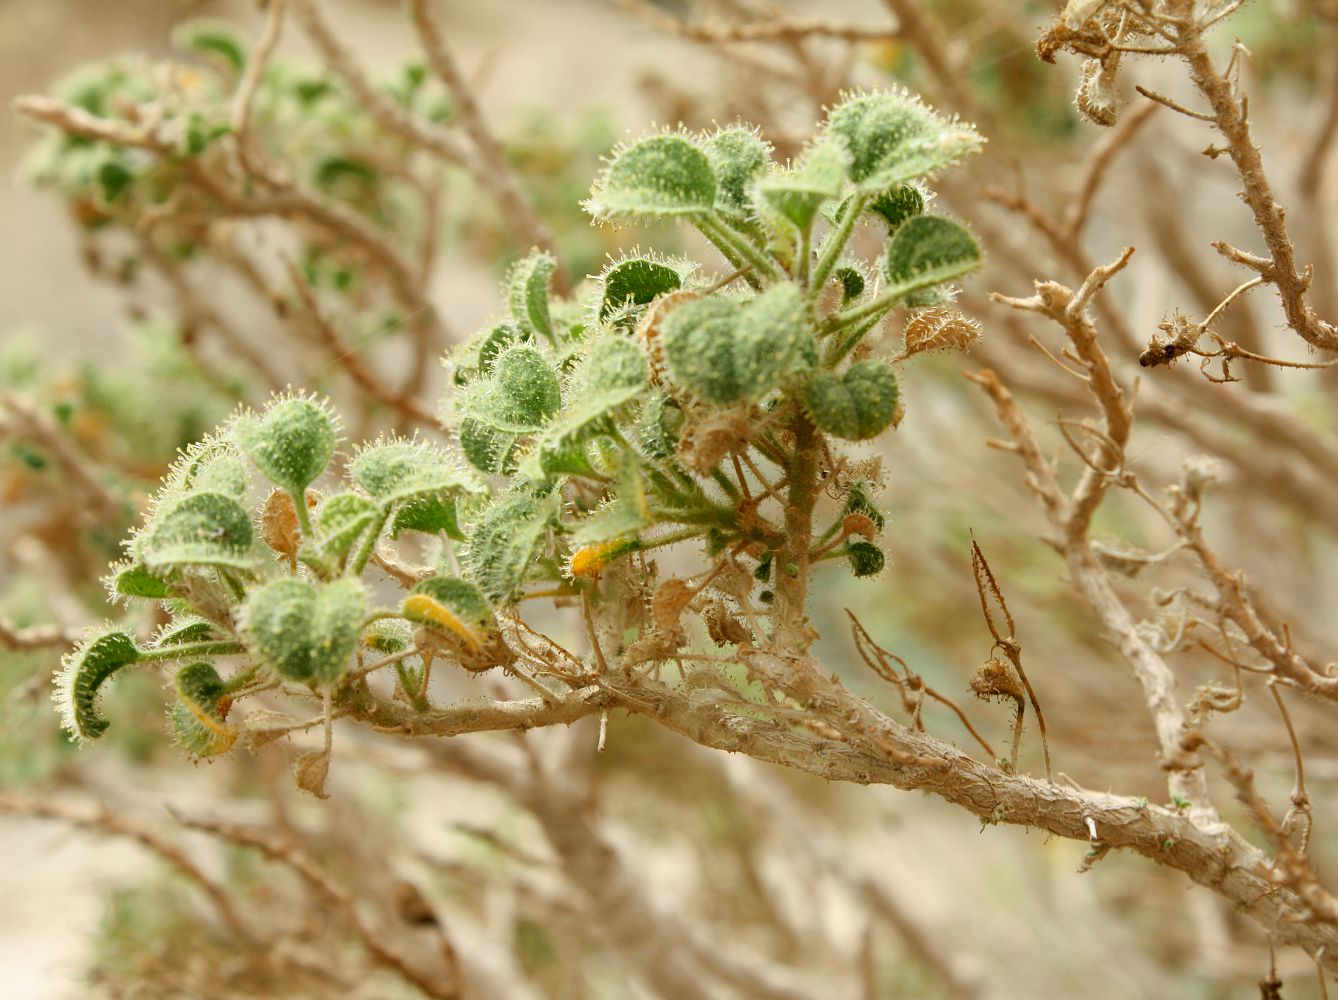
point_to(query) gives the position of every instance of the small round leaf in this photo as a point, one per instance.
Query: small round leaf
(661, 175)
(857, 405)
(291, 442)
(302, 631)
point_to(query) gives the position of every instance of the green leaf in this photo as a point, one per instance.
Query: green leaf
(613, 373)
(474, 358)
(452, 606)
(699, 347)
(738, 155)
(659, 425)
(636, 281)
(397, 470)
(852, 283)
(520, 395)
(855, 406)
(217, 38)
(83, 671)
(291, 442)
(388, 635)
(114, 178)
(503, 540)
(183, 629)
(135, 581)
(858, 501)
(866, 559)
(928, 250)
(340, 521)
(627, 513)
(304, 631)
(897, 204)
(890, 137)
(212, 465)
(487, 449)
(527, 292)
(723, 350)
(798, 193)
(430, 515)
(196, 720)
(204, 529)
(661, 175)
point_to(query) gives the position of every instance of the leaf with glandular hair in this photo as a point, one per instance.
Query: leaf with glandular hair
(388, 635)
(397, 470)
(798, 193)
(291, 442)
(450, 605)
(852, 283)
(637, 280)
(627, 513)
(473, 358)
(859, 502)
(197, 719)
(738, 155)
(660, 175)
(304, 631)
(866, 559)
(856, 405)
(488, 449)
(724, 350)
(429, 515)
(928, 250)
(212, 465)
(527, 292)
(82, 673)
(200, 529)
(503, 541)
(659, 425)
(183, 628)
(519, 395)
(890, 137)
(895, 205)
(699, 347)
(610, 375)
(340, 521)
(133, 580)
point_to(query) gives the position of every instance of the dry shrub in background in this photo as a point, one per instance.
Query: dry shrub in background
(653, 512)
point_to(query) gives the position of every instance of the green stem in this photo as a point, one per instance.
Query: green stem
(845, 346)
(669, 539)
(792, 589)
(836, 242)
(237, 680)
(806, 257)
(189, 649)
(895, 293)
(368, 545)
(716, 231)
(303, 515)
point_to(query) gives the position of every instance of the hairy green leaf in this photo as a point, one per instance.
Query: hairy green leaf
(857, 405)
(305, 631)
(82, 673)
(661, 175)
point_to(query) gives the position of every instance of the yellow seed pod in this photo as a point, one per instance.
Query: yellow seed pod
(589, 561)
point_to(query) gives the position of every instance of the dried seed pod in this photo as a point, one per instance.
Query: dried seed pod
(939, 328)
(671, 597)
(1098, 97)
(724, 628)
(996, 680)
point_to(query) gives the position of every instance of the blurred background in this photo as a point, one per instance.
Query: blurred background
(772, 882)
